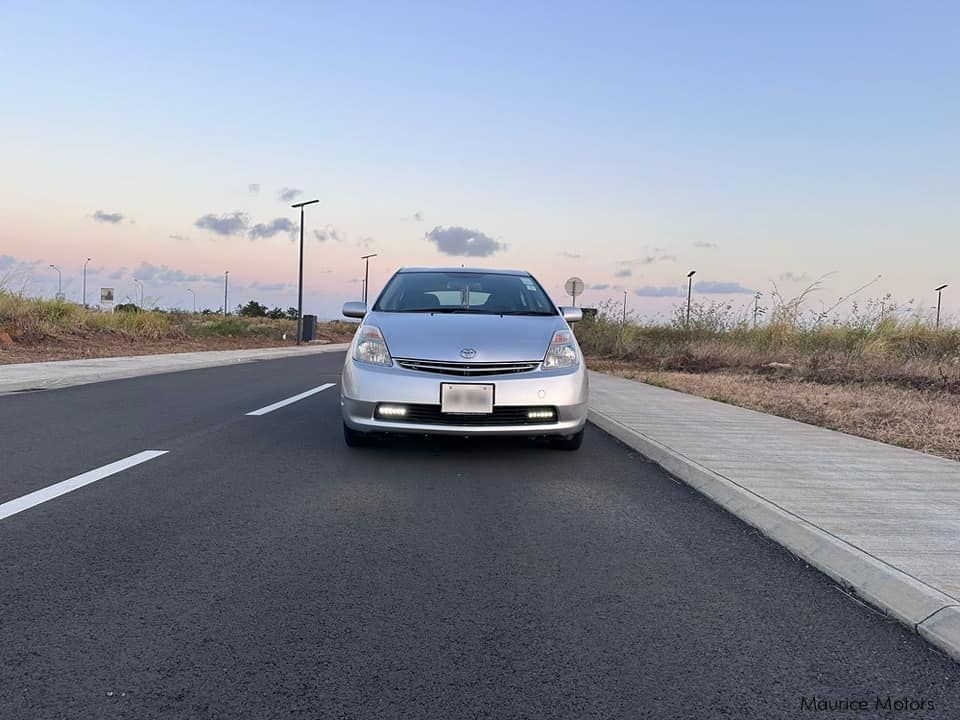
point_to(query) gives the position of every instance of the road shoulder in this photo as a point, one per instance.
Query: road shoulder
(876, 577)
(26, 377)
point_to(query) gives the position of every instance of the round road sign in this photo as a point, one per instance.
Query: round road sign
(574, 286)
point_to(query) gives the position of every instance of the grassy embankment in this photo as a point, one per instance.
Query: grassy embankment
(33, 329)
(875, 374)
(883, 377)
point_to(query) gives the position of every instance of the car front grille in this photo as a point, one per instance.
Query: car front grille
(501, 415)
(467, 369)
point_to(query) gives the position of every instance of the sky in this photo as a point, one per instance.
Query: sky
(757, 143)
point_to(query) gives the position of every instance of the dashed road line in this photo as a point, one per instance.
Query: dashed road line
(12, 507)
(291, 400)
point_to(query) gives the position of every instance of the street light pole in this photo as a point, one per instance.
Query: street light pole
(226, 284)
(366, 274)
(624, 322)
(85, 282)
(300, 276)
(939, 292)
(689, 292)
(194, 295)
(59, 280)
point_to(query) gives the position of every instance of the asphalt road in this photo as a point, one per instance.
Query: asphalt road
(260, 569)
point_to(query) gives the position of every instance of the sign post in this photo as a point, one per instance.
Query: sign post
(574, 286)
(106, 299)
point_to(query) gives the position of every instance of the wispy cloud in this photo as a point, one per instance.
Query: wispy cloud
(651, 259)
(704, 244)
(253, 188)
(117, 274)
(182, 238)
(624, 272)
(234, 223)
(570, 255)
(271, 287)
(600, 286)
(106, 217)
(461, 241)
(163, 275)
(288, 194)
(418, 217)
(15, 271)
(661, 291)
(275, 226)
(793, 277)
(328, 233)
(648, 259)
(365, 242)
(713, 287)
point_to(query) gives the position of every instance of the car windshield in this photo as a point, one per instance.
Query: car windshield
(461, 292)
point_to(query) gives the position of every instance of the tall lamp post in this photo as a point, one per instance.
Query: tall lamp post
(194, 296)
(939, 292)
(139, 283)
(226, 284)
(366, 275)
(624, 321)
(59, 280)
(689, 292)
(300, 276)
(85, 281)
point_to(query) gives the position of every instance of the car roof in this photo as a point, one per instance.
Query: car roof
(489, 271)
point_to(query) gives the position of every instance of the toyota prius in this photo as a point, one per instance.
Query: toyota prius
(464, 351)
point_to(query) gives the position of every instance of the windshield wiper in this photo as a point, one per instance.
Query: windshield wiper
(534, 313)
(473, 311)
(436, 310)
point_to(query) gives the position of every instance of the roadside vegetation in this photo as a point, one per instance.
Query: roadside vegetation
(879, 371)
(34, 329)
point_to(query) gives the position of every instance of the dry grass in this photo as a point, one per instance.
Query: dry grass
(924, 420)
(896, 381)
(34, 329)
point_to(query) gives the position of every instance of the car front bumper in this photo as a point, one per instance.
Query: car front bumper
(364, 386)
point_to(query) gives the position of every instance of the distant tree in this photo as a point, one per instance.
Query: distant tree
(206, 311)
(276, 314)
(252, 309)
(292, 313)
(126, 307)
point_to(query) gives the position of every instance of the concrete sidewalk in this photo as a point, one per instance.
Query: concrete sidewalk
(64, 373)
(881, 520)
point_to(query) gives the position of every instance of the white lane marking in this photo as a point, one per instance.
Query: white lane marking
(12, 507)
(291, 400)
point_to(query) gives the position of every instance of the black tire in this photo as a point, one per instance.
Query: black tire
(569, 442)
(355, 438)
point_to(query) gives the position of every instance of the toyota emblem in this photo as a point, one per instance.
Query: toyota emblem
(468, 353)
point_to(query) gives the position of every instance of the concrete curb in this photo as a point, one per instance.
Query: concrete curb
(924, 609)
(57, 374)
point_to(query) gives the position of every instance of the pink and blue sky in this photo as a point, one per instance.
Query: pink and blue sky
(626, 143)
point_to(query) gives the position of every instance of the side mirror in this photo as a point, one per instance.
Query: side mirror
(354, 309)
(571, 314)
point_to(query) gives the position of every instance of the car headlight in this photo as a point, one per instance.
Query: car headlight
(562, 352)
(371, 347)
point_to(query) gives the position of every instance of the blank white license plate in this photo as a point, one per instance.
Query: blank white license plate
(472, 399)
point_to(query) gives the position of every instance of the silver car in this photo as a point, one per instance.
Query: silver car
(464, 351)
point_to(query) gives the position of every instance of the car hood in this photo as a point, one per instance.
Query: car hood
(442, 336)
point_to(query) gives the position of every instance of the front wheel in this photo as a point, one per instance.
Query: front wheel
(569, 442)
(354, 438)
